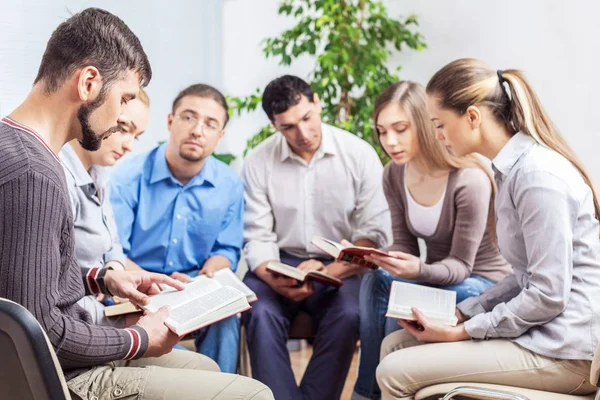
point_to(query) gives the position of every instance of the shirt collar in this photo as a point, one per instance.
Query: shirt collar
(327, 146)
(161, 171)
(75, 167)
(511, 152)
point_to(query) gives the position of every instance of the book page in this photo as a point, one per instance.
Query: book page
(199, 307)
(237, 306)
(175, 298)
(328, 246)
(437, 304)
(286, 270)
(227, 277)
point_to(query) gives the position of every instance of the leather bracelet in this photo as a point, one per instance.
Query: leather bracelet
(100, 280)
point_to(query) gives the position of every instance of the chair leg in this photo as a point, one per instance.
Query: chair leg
(483, 393)
(244, 359)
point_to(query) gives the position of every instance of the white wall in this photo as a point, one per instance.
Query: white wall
(183, 43)
(556, 42)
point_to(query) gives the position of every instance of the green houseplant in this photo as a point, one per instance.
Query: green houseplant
(351, 41)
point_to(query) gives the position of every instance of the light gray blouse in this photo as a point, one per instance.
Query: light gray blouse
(96, 238)
(547, 230)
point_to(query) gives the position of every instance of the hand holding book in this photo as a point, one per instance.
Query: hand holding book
(427, 331)
(397, 263)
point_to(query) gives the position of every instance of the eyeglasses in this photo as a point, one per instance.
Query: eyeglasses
(208, 127)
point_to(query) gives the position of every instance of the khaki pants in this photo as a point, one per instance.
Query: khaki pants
(182, 375)
(408, 365)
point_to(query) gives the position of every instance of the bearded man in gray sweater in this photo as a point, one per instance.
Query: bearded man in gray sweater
(92, 66)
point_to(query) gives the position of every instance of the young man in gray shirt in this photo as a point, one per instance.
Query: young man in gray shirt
(93, 64)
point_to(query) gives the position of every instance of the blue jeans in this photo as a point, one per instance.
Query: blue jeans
(220, 341)
(374, 326)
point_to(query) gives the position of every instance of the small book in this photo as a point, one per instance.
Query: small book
(301, 276)
(438, 305)
(352, 254)
(203, 302)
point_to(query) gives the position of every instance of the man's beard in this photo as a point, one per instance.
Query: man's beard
(187, 156)
(91, 140)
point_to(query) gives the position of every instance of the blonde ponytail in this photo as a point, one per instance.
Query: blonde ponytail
(467, 82)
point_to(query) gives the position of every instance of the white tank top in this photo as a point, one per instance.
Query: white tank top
(424, 219)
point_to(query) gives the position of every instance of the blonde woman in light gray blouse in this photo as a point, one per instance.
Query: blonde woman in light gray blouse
(96, 239)
(541, 324)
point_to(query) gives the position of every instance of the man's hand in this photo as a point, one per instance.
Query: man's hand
(429, 332)
(131, 266)
(213, 264)
(285, 286)
(137, 285)
(160, 338)
(311, 265)
(342, 269)
(181, 277)
(117, 266)
(298, 293)
(398, 264)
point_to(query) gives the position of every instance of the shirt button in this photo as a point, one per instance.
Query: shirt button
(170, 263)
(178, 216)
(174, 241)
(118, 392)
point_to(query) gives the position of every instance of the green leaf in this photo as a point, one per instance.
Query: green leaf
(352, 41)
(225, 157)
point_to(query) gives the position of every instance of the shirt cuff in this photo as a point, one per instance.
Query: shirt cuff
(92, 278)
(138, 342)
(480, 326)
(379, 239)
(471, 307)
(233, 261)
(115, 255)
(258, 252)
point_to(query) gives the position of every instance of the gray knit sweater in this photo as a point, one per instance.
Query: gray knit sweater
(37, 265)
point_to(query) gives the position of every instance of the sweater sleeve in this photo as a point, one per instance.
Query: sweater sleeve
(38, 270)
(472, 201)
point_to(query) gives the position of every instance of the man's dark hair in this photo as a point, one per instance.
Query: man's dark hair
(284, 92)
(206, 92)
(92, 37)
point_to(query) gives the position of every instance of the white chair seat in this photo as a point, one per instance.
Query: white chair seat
(443, 388)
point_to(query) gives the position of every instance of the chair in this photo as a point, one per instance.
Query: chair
(29, 369)
(447, 391)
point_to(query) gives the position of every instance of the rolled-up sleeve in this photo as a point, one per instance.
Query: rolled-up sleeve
(371, 217)
(548, 236)
(259, 223)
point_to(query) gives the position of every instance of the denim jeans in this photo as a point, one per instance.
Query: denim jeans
(374, 326)
(220, 341)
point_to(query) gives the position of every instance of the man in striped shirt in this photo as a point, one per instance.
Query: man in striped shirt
(93, 64)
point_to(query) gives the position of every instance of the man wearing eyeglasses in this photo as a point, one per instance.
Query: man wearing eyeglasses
(179, 210)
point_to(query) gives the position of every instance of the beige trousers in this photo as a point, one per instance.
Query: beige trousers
(182, 375)
(408, 365)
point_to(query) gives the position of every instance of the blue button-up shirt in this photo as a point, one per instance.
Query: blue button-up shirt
(165, 226)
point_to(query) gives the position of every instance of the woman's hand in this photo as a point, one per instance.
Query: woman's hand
(399, 264)
(427, 331)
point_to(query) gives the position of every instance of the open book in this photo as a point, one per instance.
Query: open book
(204, 301)
(352, 254)
(301, 276)
(439, 305)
